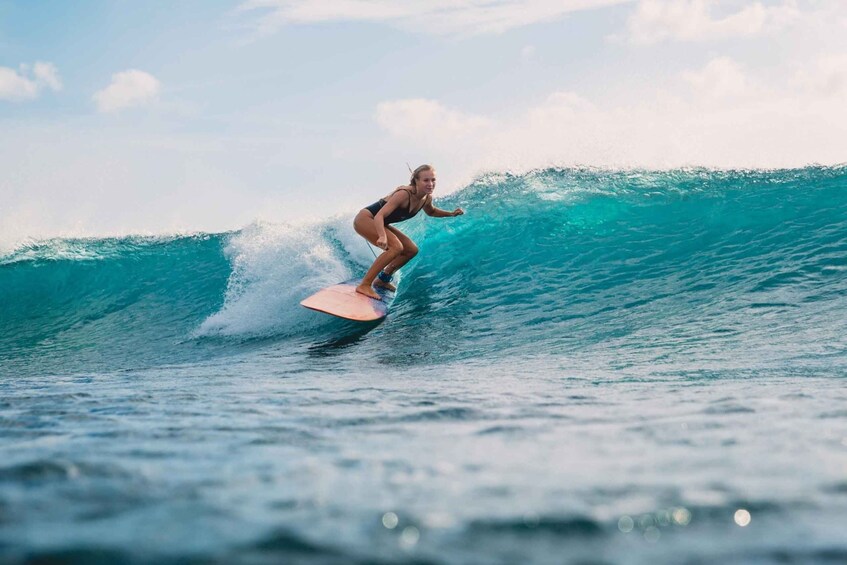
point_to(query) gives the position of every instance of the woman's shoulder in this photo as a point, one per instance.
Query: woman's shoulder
(403, 188)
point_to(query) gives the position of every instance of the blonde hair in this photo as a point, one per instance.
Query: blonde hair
(413, 181)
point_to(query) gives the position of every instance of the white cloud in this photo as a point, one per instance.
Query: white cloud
(559, 108)
(128, 89)
(47, 74)
(720, 78)
(442, 17)
(692, 20)
(720, 115)
(826, 75)
(14, 86)
(427, 120)
(27, 83)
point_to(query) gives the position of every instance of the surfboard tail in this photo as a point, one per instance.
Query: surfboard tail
(343, 301)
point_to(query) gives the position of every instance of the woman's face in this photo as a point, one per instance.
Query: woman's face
(426, 181)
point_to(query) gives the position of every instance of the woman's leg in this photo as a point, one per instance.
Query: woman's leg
(365, 226)
(407, 254)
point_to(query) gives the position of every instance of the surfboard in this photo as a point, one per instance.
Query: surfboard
(343, 301)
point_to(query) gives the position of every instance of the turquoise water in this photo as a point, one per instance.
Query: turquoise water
(589, 366)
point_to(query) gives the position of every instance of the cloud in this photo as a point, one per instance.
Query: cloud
(128, 89)
(719, 115)
(47, 74)
(427, 119)
(826, 75)
(559, 107)
(692, 20)
(28, 82)
(442, 17)
(720, 78)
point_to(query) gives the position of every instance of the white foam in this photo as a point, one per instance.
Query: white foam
(277, 265)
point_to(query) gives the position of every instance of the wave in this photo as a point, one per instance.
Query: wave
(617, 268)
(90, 304)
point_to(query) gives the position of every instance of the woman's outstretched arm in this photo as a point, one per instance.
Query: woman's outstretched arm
(431, 210)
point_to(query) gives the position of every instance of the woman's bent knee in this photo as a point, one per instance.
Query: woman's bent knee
(395, 249)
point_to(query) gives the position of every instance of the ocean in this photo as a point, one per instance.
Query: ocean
(589, 366)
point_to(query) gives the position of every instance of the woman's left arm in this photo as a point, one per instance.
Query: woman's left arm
(438, 212)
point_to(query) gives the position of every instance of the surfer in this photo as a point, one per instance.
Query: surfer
(374, 224)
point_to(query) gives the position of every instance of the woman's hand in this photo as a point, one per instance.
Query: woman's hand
(382, 242)
(458, 212)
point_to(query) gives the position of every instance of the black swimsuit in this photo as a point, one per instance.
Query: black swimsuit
(397, 215)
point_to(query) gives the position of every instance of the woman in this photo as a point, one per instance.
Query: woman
(374, 224)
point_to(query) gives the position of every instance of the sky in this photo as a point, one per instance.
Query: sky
(125, 117)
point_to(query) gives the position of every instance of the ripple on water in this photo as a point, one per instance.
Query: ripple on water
(530, 524)
(453, 413)
(728, 408)
(833, 414)
(57, 470)
(501, 430)
(284, 545)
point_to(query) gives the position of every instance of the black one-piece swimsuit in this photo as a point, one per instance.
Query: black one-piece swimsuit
(397, 215)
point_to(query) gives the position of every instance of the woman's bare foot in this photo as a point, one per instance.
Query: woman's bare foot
(367, 291)
(385, 285)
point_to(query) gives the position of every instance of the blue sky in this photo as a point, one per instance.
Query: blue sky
(150, 117)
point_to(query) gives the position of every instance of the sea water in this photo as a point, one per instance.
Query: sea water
(587, 367)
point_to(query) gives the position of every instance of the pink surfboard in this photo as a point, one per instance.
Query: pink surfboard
(343, 301)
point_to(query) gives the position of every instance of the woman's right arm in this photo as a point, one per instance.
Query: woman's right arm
(379, 224)
(395, 200)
